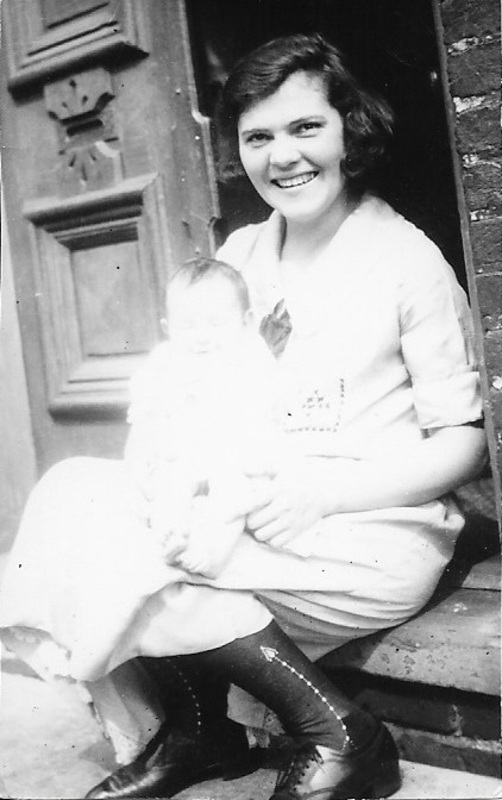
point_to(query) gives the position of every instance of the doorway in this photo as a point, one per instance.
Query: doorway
(391, 46)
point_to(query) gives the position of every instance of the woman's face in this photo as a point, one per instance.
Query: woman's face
(291, 147)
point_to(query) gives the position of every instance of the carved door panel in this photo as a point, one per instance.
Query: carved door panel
(108, 184)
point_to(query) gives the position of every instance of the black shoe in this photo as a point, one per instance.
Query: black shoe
(323, 774)
(173, 761)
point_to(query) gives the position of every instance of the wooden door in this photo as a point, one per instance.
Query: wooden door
(108, 184)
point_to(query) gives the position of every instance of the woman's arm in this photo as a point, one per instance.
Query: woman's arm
(302, 495)
(439, 464)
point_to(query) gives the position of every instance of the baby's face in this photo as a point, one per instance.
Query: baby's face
(206, 317)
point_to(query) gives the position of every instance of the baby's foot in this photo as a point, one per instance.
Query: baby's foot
(173, 545)
(210, 546)
(197, 563)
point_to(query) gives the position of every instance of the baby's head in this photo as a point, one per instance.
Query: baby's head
(207, 307)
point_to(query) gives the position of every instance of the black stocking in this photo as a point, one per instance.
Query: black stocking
(193, 697)
(269, 666)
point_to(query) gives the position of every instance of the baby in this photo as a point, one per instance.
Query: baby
(204, 417)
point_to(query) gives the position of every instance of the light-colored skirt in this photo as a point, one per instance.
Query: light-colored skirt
(86, 589)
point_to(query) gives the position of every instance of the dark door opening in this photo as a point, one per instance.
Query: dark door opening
(391, 45)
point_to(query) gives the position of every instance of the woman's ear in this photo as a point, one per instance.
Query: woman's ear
(165, 327)
(248, 318)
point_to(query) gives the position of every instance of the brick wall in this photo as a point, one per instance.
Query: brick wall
(471, 34)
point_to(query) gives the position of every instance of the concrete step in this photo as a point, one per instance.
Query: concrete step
(51, 747)
(454, 642)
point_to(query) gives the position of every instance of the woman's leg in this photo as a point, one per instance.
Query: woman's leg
(197, 741)
(343, 752)
(270, 666)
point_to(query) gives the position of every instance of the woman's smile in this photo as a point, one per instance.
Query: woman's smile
(292, 147)
(295, 180)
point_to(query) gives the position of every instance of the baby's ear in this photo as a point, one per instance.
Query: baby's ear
(165, 327)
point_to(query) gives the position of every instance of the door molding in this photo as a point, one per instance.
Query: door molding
(92, 340)
(67, 34)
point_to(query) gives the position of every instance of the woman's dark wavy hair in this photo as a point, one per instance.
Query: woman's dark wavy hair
(367, 119)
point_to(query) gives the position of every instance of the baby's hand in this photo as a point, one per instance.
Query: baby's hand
(211, 539)
(170, 529)
(208, 551)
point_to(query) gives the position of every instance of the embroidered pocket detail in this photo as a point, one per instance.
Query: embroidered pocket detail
(316, 408)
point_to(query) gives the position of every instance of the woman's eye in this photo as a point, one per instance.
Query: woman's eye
(307, 127)
(257, 139)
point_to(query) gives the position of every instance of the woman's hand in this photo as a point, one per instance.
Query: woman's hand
(288, 504)
(313, 488)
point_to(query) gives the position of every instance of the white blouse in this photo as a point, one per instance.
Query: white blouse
(381, 347)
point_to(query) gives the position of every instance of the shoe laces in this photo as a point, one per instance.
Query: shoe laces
(291, 778)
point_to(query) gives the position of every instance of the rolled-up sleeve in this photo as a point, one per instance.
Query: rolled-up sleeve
(437, 339)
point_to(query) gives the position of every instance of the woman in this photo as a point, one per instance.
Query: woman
(383, 399)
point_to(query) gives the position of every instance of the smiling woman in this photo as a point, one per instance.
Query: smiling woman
(295, 164)
(308, 139)
(391, 46)
(384, 418)
(380, 419)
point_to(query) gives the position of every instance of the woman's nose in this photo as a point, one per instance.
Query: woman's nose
(283, 152)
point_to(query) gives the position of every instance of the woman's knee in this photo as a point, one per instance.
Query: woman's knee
(81, 475)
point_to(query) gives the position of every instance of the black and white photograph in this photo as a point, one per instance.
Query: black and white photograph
(251, 399)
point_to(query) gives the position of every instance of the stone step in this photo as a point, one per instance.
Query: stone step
(454, 642)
